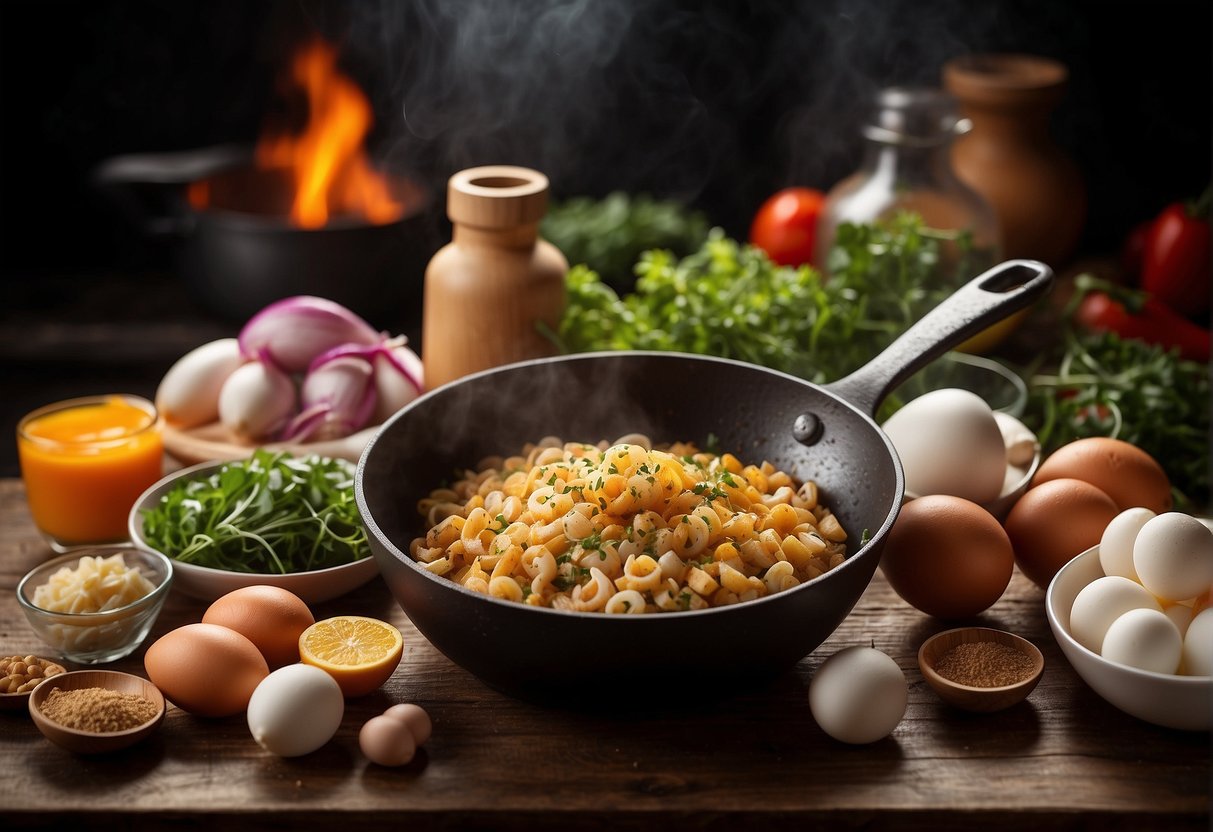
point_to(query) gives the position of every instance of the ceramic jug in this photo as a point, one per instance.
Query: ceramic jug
(1010, 157)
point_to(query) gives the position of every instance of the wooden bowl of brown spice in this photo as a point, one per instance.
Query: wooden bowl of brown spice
(980, 669)
(96, 711)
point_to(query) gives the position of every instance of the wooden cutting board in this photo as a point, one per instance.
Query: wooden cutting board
(215, 442)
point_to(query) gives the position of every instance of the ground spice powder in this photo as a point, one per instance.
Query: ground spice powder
(97, 710)
(984, 664)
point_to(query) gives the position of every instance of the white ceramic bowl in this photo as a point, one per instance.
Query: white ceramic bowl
(207, 584)
(1184, 702)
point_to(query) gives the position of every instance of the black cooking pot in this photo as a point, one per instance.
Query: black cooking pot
(240, 253)
(823, 433)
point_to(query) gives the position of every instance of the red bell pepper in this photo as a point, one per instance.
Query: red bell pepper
(1155, 323)
(1177, 257)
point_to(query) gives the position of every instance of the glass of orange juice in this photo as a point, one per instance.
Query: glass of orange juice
(85, 462)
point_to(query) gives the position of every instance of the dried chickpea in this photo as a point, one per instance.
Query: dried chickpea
(24, 673)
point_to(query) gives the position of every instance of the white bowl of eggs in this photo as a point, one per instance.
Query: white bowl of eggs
(1133, 617)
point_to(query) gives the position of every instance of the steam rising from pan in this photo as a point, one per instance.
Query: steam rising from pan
(664, 95)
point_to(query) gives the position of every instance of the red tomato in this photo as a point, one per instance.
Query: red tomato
(785, 227)
(1156, 323)
(1175, 266)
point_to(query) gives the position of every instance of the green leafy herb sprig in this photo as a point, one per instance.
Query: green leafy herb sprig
(273, 513)
(608, 235)
(1105, 385)
(728, 299)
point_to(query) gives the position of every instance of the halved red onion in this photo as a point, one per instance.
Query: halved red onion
(398, 372)
(294, 331)
(337, 398)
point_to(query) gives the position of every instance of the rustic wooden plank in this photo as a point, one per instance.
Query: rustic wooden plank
(1062, 759)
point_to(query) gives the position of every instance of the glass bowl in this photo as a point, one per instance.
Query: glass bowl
(97, 637)
(1003, 389)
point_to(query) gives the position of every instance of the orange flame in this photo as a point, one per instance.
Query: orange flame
(329, 167)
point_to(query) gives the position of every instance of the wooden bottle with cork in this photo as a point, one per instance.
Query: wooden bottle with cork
(486, 290)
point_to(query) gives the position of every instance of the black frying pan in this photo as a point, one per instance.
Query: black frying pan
(824, 433)
(241, 253)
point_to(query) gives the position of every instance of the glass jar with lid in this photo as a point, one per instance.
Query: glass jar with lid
(907, 167)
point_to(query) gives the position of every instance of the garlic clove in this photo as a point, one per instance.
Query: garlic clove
(188, 395)
(398, 379)
(1021, 443)
(256, 400)
(337, 398)
(293, 332)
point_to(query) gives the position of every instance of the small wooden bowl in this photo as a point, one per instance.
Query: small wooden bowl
(969, 697)
(20, 701)
(88, 742)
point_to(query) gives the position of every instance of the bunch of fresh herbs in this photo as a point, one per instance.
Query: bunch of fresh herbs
(273, 513)
(728, 299)
(609, 234)
(1105, 385)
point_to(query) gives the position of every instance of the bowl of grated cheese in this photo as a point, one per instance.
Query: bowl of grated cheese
(96, 604)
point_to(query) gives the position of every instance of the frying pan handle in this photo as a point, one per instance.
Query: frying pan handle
(980, 303)
(148, 185)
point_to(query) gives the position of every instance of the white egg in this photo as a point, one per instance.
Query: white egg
(295, 710)
(1145, 639)
(1173, 556)
(858, 695)
(188, 395)
(1180, 615)
(1198, 645)
(1101, 602)
(1116, 545)
(949, 443)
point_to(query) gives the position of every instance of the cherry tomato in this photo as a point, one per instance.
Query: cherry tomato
(1175, 265)
(785, 227)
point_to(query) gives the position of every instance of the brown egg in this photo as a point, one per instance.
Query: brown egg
(947, 557)
(270, 617)
(1126, 473)
(1055, 521)
(206, 669)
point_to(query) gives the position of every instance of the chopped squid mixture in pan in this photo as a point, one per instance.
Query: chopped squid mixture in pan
(628, 528)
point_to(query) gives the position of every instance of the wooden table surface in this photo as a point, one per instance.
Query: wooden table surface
(1064, 759)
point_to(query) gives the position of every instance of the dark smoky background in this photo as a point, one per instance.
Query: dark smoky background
(714, 103)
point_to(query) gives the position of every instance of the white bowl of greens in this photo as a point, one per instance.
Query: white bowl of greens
(274, 518)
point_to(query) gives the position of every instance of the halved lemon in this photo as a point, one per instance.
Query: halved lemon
(360, 653)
